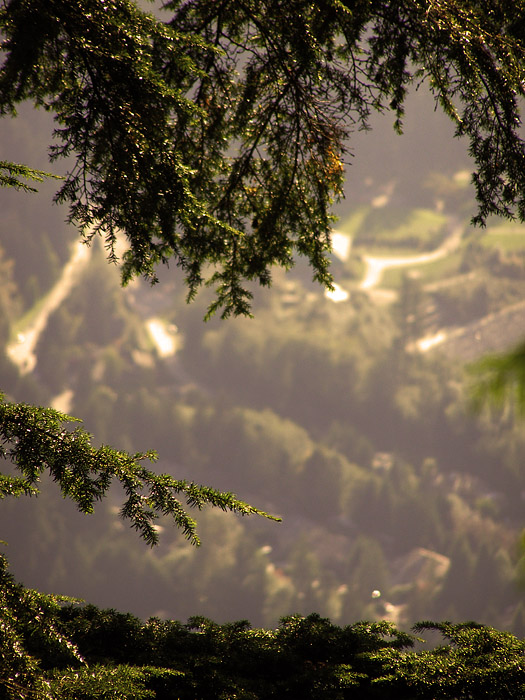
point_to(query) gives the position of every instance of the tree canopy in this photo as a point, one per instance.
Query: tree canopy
(51, 650)
(216, 137)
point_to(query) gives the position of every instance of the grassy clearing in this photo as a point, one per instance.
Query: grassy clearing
(401, 233)
(352, 223)
(410, 229)
(426, 272)
(355, 267)
(24, 322)
(504, 239)
(503, 235)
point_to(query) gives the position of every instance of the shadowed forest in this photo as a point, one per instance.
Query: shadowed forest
(345, 414)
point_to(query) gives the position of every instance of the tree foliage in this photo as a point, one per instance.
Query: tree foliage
(499, 381)
(34, 440)
(16, 175)
(216, 137)
(54, 648)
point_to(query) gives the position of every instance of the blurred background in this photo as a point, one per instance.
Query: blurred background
(345, 413)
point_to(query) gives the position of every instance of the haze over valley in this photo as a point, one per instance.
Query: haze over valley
(345, 413)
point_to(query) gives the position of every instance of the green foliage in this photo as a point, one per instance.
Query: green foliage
(86, 653)
(28, 622)
(38, 658)
(217, 138)
(111, 683)
(34, 440)
(14, 174)
(476, 662)
(499, 381)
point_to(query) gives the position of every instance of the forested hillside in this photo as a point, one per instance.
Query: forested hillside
(348, 418)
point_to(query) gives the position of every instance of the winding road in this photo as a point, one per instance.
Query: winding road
(22, 350)
(376, 266)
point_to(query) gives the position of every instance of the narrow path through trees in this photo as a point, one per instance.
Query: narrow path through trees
(22, 350)
(376, 266)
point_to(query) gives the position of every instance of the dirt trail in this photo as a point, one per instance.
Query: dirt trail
(376, 266)
(22, 350)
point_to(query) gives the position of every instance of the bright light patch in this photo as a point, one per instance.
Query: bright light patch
(338, 294)
(341, 244)
(426, 343)
(163, 335)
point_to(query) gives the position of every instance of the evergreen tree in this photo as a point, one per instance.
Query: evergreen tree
(35, 441)
(218, 134)
(216, 139)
